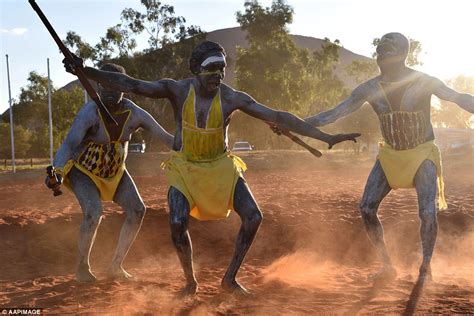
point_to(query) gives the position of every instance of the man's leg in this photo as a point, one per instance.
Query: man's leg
(376, 189)
(251, 217)
(179, 218)
(89, 198)
(425, 182)
(128, 198)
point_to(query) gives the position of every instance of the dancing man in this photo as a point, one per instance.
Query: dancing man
(206, 180)
(91, 162)
(408, 158)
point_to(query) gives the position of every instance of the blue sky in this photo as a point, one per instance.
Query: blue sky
(444, 28)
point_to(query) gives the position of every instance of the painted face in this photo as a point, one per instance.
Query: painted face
(392, 47)
(109, 97)
(212, 72)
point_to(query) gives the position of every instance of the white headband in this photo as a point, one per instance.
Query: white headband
(213, 59)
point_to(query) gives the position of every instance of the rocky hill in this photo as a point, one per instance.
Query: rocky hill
(230, 38)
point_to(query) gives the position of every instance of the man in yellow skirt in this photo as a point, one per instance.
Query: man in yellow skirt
(206, 180)
(408, 157)
(91, 162)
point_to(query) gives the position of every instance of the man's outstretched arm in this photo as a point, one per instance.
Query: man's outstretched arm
(464, 100)
(288, 121)
(123, 82)
(346, 107)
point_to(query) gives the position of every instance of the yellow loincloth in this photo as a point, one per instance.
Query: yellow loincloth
(400, 166)
(207, 185)
(104, 164)
(106, 186)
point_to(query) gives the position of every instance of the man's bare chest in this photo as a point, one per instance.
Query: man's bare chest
(411, 97)
(206, 109)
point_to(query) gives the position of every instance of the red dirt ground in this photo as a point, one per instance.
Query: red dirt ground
(310, 256)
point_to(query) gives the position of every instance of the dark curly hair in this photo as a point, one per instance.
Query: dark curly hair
(201, 52)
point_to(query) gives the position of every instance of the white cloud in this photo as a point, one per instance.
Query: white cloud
(18, 31)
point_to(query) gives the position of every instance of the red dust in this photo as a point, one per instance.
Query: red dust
(311, 255)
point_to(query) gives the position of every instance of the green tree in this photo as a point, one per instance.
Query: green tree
(157, 20)
(362, 70)
(116, 42)
(263, 24)
(175, 41)
(31, 108)
(328, 89)
(272, 69)
(171, 43)
(39, 142)
(64, 106)
(276, 72)
(22, 141)
(80, 47)
(30, 112)
(451, 115)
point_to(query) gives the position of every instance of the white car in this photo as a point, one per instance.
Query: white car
(242, 146)
(136, 148)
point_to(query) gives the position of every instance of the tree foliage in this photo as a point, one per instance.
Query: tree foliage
(64, 106)
(170, 41)
(22, 141)
(116, 42)
(31, 108)
(328, 89)
(272, 69)
(83, 49)
(451, 115)
(266, 24)
(362, 71)
(277, 73)
(30, 114)
(157, 20)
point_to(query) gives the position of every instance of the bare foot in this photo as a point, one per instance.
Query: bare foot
(119, 274)
(234, 287)
(189, 290)
(84, 274)
(387, 274)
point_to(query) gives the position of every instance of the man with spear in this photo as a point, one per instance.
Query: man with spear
(206, 180)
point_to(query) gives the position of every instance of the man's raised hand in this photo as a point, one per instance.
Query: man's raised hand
(274, 128)
(72, 65)
(335, 139)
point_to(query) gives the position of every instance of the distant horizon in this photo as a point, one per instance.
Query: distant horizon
(433, 23)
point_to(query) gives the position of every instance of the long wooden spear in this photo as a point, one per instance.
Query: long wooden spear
(79, 71)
